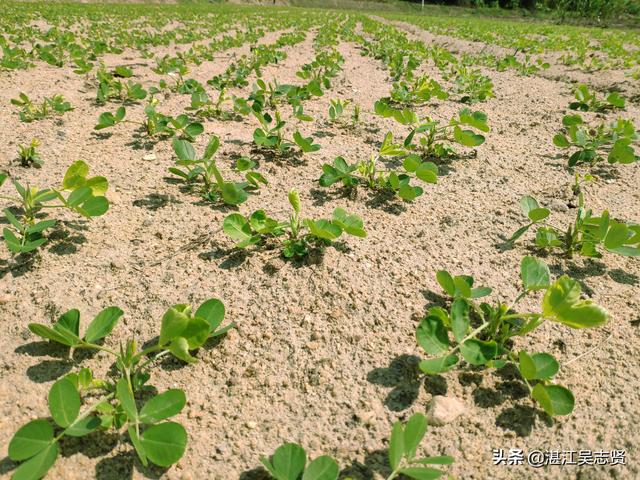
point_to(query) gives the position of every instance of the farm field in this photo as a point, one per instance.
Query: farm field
(228, 230)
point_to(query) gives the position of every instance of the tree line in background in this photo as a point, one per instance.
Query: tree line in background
(586, 8)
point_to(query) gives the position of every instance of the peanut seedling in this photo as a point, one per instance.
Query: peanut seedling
(205, 170)
(482, 333)
(29, 155)
(587, 101)
(372, 174)
(85, 197)
(584, 236)
(115, 400)
(431, 139)
(300, 235)
(591, 144)
(49, 107)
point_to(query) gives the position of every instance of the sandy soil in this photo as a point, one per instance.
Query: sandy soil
(324, 351)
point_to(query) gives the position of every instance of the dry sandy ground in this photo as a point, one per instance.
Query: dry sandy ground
(324, 351)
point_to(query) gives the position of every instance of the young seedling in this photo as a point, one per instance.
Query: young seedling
(297, 236)
(29, 155)
(205, 171)
(49, 107)
(26, 229)
(591, 144)
(271, 136)
(482, 332)
(403, 446)
(584, 236)
(289, 462)
(337, 108)
(429, 138)
(417, 91)
(372, 174)
(115, 400)
(111, 88)
(473, 85)
(588, 101)
(155, 124)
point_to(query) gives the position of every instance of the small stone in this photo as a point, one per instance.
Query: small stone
(251, 425)
(149, 157)
(368, 418)
(558, 205)
(444, 410)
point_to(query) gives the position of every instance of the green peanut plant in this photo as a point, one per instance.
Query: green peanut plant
(289, 461)
(432, 140)
(26, 230)
(584, 236)
(49, 107)
(482, 333)
(300, 235)
(372, 175)
(473, 85)
(591, 144)
(270, 135)
(29, 155)
(403, 446)
(417, 91)
(115, 400)
(155, 124)
(205, 171)
(111, 88)
(588, 101)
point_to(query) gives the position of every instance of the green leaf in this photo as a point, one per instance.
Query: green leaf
(95, 206)
(232, 194)
(414, 432)
(622, 152)
(562, 303)
(184, 149)
(432, 336)
(287, 462)
(438, 460)
(322, 468)
(83, 426)
(164, 443)
(554, 399)
(237, 227)
(137, 445)
(128, 402)
(213, 312)
(534, 273)
(561, 141)
(50, 334)
(174, 323)
(162, 406)
(179, 348)
(617, 236)
(75, 175)
(323, 229)
(421, 473)
(396, 445)
(445, 280)
(352, 224)
(439, 365)
(539, 366)
(64, 402)
(102, 324)
(30, 439)
(460, 321)
(467, 138)
(478, 352)
(37, 467)
(427, 172)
